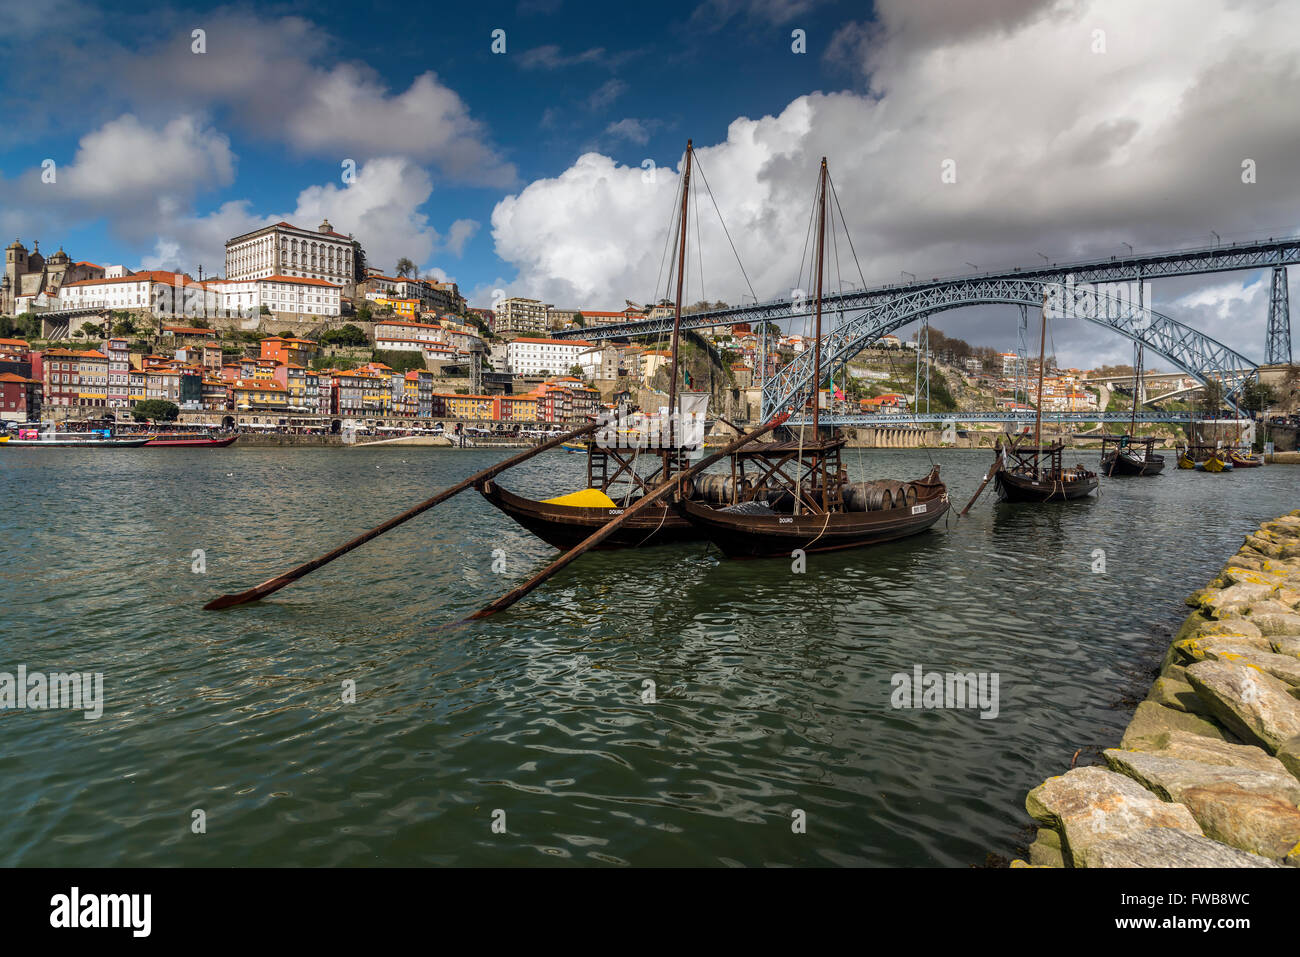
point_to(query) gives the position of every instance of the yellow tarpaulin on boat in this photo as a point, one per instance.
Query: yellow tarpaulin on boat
(587, 498)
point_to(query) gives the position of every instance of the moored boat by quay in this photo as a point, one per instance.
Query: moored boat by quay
(182, 441)
(1130, 456)
(74, 440)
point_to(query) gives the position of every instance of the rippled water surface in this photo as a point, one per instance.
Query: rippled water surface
(773, 688)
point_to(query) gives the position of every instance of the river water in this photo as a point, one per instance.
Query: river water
(772, 688)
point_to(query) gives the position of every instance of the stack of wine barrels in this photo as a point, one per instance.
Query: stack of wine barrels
(718, 489)
(876, 496)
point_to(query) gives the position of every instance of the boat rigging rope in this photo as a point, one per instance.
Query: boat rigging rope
(822, 532)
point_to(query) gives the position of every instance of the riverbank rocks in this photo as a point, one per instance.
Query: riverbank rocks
(1168, 847)
(1090, 805)
(1207, 773)
(1152, 721)
(1253, 705)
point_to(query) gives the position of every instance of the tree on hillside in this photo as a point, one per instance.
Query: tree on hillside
(406, 268)
(1256, 396)
(159, 410)
(1211, 397)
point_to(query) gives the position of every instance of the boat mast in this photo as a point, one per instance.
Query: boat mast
(1137, 386)
(817, 329)
(677, 308)
(1042, 366)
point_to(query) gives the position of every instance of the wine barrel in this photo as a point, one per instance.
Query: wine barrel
(867, 496)
(898, 494)
(721, 489)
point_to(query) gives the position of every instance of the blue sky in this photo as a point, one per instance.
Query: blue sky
(622, 79)
(1075, 127)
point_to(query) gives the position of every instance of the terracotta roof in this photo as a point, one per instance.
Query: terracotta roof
(151, 275)
(14, 377)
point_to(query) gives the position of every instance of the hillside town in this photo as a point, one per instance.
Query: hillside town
(302, 334)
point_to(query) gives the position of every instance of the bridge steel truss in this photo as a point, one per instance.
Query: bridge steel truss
(954, 419)
(1256, 254)
(1190, 350)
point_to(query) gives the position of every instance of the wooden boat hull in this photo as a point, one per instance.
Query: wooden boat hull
(190, 443)
(1015, 487)
(1185, 462)
(740, 535)
(564, 526)
(1214, 464)
(1245, 461)
(1116, 463)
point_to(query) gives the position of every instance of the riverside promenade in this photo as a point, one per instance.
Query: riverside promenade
(1208, 771)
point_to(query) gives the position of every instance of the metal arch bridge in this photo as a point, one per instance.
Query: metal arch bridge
(1233, 257)
(1195, 352)
(905, 420)
(1192, 351)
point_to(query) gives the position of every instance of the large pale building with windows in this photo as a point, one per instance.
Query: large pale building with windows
(520, 317)
(286, 295)
(286, 250)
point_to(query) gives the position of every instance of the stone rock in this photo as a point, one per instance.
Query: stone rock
(1193, 621)
(1288, 752)
(1259, 543)
(1048, 838)
(1249, 559)
(1253, 705)
(1286, 644)
(1233, 575)
(1170, 777)
(1045, 855)
(1253, 822)
(1198, 649)
(1166, 847)
(1178, 695)
(1275, 619)
(1151, 720)
(1174, 672)
(1235, 598)
(1282, 667)
(1287, 596)
(1088, 805)
(1195, 747)
(1230, 627)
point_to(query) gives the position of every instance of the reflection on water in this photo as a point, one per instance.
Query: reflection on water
(772, 688)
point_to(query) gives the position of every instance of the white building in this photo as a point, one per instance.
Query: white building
(527, 356)
(295, 296)
(157, 291)
(286, 250)
(599, 362)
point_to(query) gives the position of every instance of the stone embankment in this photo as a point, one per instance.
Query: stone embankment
(1208, 772)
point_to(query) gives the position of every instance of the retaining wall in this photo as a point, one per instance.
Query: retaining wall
(1208, 771)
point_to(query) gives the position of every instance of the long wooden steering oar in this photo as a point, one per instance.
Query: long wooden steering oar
(275, 584)
(993, 469)
(595, 538)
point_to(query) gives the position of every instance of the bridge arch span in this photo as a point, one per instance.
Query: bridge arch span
(1189, 350)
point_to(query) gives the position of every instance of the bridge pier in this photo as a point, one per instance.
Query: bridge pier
(1278, 346)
